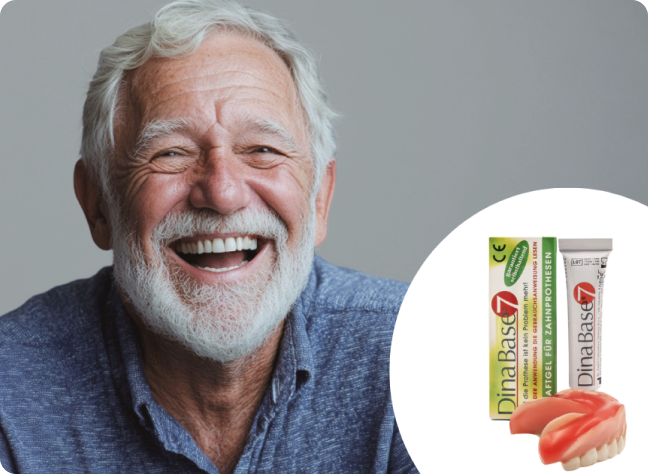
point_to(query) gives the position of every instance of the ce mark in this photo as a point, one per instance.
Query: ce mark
(499, 249)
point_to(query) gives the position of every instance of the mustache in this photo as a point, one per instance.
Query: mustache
(251, 221)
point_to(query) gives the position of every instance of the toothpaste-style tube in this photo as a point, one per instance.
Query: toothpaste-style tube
(585, 265)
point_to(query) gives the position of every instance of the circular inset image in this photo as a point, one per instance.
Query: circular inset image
(440, 369)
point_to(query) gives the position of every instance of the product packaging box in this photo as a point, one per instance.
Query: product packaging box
(522, 322)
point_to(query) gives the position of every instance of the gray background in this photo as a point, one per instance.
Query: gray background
(448, 107)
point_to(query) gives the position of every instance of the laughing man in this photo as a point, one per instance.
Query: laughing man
(216, 342)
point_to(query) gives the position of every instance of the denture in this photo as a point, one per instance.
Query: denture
(576, 427)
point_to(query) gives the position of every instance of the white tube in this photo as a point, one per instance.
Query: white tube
(585, 264)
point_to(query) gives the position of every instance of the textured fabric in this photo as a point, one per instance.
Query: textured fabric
(73, 396)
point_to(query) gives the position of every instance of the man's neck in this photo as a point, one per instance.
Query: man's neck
(215, 402)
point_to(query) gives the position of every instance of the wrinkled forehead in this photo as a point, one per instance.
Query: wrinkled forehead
(228, 74)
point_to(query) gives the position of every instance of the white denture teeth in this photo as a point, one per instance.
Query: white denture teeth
(612, 449)
(230, 244)
(220, 270)
(602, 453)
(572, 464)
(594, 455)
(218, 246)
(589, 458)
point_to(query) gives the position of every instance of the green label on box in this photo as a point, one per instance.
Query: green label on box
(516, 263)
(549, 315)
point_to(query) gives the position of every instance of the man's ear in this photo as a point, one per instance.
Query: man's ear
(89, 196)
(323, 202)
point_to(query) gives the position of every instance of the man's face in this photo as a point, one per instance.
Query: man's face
(213, 151)
(223, 130)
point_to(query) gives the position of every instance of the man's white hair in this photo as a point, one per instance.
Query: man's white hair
(176, 31)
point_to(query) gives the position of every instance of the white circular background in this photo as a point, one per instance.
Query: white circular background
(439, 357)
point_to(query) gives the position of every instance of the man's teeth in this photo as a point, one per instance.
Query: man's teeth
(230, 244)
(218, 270)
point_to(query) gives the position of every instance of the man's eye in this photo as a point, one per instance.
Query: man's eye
(168, 154)
(266, 149)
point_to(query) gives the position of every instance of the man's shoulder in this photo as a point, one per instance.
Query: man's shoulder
(54, 319)
(349, 320)
(342, 290)
(353, 308)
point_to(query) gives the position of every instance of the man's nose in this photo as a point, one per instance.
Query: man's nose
(221, 184)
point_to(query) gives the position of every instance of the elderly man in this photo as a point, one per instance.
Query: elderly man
(216, 342)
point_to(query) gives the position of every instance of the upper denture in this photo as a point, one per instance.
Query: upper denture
(217, 245)
(576, 427)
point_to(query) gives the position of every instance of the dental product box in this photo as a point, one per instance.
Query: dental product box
(522, 322)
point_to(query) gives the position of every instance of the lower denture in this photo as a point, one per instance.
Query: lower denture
(224, 269)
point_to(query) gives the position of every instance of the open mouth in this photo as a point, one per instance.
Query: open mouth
(218, 255)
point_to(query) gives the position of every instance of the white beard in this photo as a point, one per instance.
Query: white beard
(221, 322)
